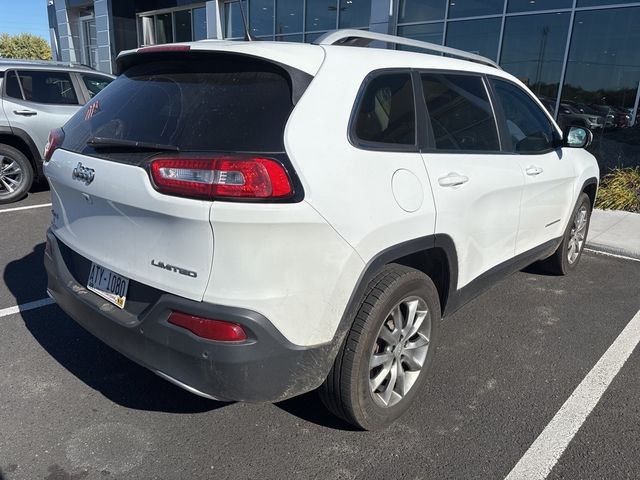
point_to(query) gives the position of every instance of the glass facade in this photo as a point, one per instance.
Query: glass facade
(175, 24)
(295, 20)
(533, 50)
(581, 58)
(475, 36)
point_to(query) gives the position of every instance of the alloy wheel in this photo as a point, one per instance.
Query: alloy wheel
(577, 234)
(11, 175)
(399, 352)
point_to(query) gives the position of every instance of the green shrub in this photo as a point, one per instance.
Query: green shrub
(620, 190)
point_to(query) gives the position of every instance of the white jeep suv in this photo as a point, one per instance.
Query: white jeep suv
(254, 220)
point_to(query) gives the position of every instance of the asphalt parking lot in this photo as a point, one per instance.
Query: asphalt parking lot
(71, 408)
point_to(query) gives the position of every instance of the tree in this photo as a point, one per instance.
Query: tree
(24, 45)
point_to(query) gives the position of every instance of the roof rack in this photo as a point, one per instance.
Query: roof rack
(362, 38)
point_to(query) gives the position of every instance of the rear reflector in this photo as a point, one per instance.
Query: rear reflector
(221, 177)
(210, 329)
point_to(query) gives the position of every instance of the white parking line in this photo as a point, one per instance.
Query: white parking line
(15, 209)
(26, 306)
(546, 450)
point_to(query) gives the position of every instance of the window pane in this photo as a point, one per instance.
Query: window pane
(199, 23)
(261, 15)
(529, 128)
(421, 10)
(233, 24)
(164, 30)
(296, 37)
(472, 8)
(95, 83)
(528, 5)
(595, 3)
(289, 16)
(183, 25)
(148, 31)
(310, 37)
(533, 50)
(47, 87)
(386, 113)
(604, 60)
(13, 87)
(603, 76)
(460, 113)
(355, 13)
(475, 36)
(430, 32)
(321, 14)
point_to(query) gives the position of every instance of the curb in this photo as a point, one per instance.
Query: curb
(621, 252)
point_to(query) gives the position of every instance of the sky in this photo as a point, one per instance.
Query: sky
(24, 16)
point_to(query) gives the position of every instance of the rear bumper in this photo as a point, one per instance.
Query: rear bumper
(265, 367)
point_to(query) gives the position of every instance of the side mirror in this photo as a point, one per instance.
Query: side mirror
(577, 137)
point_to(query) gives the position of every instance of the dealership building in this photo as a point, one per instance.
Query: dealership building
(580, 57)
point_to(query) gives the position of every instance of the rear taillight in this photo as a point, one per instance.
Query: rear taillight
(221, 177)
(218, 330)
(56, 136)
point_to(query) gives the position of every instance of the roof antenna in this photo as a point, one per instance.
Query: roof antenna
(245, 22)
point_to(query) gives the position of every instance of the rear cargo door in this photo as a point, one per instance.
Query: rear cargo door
(105, 205)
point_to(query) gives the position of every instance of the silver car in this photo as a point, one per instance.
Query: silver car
(35, 97)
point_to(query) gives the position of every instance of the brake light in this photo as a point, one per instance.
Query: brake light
(164, 48)
(56, 137)
(221, 177)
(207, 328)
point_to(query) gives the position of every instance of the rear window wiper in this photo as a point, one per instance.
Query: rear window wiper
(103, 143)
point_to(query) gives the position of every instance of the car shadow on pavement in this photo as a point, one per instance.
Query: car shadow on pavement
(87, 358)
(309, 407)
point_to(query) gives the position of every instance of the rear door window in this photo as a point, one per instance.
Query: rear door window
(199, 103)
(41, 86)
(386, 115)
(460, 113)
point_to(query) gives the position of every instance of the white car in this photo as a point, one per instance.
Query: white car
(254, 220)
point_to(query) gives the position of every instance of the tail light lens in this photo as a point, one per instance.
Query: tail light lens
(56, 136)
(207, 328)
(221, 177)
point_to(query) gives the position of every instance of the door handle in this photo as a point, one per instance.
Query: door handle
(453, 179)
(26, 113)
(533, 170)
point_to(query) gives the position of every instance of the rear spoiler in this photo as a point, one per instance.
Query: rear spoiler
(127, 59)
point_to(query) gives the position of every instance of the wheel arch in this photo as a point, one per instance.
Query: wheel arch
(434, 255)
(590, 187)
(20, 140)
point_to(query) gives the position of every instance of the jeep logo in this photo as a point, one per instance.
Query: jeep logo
(173, 268)
(84, 174)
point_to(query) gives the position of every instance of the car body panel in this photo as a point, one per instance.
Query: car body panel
(120, 222)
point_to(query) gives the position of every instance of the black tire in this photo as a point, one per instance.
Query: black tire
(10, 191)
(559, 263)
(346, 391)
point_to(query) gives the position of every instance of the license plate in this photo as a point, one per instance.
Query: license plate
(109, 285)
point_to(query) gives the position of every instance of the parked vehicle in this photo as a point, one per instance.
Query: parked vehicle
(572, 114)
(615, 117)
(35, 97)
(254, 220)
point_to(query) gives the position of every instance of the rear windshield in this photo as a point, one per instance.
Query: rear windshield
(199, 103)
